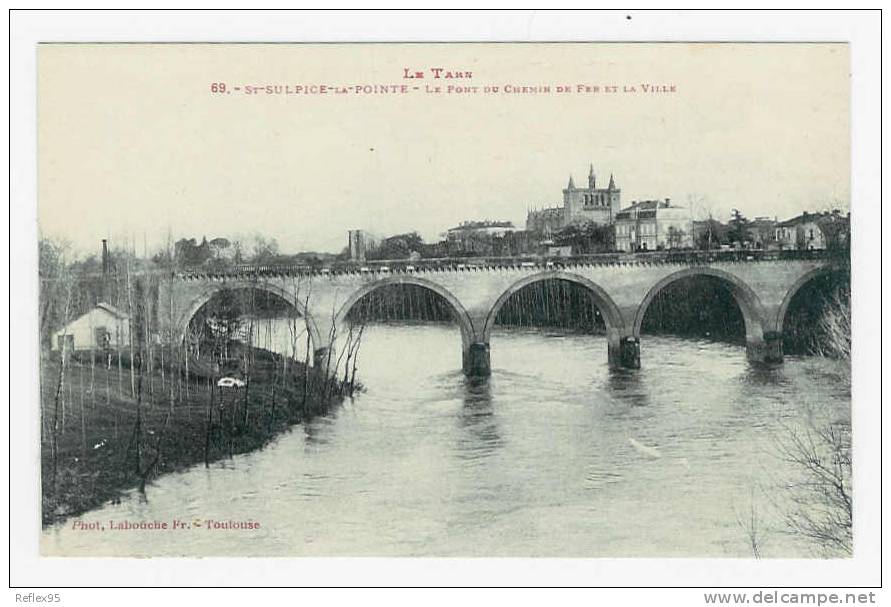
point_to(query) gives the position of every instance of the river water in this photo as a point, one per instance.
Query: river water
(554, 455)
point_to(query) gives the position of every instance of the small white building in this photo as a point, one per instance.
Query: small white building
(103, 327)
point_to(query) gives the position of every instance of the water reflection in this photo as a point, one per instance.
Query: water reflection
(477, 391)
(763, 374)
(479, 437)
(627, 385)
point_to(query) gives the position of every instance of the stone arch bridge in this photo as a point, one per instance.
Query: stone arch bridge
(621, 290)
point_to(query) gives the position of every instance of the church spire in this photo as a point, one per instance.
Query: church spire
(571, 185)
(612, 182)
(592, 180)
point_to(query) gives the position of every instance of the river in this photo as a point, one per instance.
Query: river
(554, 455)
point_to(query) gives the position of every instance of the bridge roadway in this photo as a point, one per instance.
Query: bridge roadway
(620, 287)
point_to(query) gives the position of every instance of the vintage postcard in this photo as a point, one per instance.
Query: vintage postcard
(445, 300)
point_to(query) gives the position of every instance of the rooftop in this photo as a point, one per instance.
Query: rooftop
(639, 206)
(481, 225)
(111, 309)
(546, 210)
(805, 217)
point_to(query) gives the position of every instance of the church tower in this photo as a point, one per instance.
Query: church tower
(570, 197)
(590, 203)
(614, 196)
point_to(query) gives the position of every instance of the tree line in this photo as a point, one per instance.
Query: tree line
(115, 415)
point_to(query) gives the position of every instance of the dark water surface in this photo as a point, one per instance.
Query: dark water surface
(554, 455)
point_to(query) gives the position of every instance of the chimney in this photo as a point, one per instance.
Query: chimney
(668, 202)
(104, 257)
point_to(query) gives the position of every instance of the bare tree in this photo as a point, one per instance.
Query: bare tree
(83, 422)
(149, 361)
(295, 332)
(327, 376)
(835, 324)
(54, 284)
(750, 522)
(60, 384)
(822, 500)
(306, 322)
(352, 381)
(354, 341)
(130, 320)
(702, 207)
(248, 356)
(137, 366)
(822, 497)
(209, 421)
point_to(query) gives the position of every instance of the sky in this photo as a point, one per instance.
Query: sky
(135, 145)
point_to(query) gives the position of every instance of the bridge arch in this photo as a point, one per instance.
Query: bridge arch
(747, 300)
(799, 284)
(208, 293)
(462, 318)
(612, 316)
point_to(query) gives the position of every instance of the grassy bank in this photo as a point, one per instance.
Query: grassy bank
(102, 435)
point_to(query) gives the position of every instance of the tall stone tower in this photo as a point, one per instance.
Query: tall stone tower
(598, 205)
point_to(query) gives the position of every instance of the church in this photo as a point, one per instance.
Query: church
(580, 205)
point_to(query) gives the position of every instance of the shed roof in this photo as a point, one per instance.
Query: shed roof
(112, 310)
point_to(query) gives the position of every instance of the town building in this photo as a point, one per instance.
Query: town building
(580, 205)
(650, 225)
(762, 233)
(104, 327)
(544, 221)
(813, 231)
(360, 242)
(477, 237)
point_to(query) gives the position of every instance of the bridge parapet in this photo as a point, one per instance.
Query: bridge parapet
(472, 264)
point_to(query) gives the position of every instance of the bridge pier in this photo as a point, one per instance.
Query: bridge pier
(630, 352)
(476, 360)
(623, 352)
(765, 349)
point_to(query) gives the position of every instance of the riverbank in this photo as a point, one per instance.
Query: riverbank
(108, 435)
